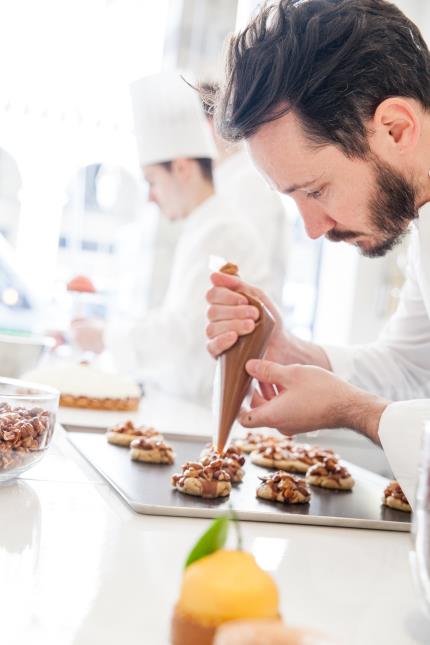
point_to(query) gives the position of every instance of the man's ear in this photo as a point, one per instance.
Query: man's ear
(395, 127)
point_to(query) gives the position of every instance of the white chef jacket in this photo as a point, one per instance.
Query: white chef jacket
(144, 251)
(249, 196)
(167, 347)
(397, 366)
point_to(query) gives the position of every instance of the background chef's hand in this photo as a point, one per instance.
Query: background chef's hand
(88, 334)
(230, 315)
(310, 398)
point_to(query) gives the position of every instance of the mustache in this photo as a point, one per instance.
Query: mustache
(341, 236)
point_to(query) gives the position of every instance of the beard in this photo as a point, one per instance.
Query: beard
(391, 210)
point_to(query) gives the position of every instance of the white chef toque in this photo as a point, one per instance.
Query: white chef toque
(169, 121)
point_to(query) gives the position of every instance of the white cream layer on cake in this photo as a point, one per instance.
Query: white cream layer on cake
(85, 380)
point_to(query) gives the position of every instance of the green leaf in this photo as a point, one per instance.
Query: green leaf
(212, 540)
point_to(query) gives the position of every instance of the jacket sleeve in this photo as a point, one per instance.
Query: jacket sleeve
(397, 365)
(400, 431)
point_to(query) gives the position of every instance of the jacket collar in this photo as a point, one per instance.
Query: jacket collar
(202, 213)
(423, 226)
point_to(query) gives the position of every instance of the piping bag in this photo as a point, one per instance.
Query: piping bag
(232, 381)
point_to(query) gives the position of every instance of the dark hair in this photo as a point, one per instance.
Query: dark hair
(205, 165)
(331, 62)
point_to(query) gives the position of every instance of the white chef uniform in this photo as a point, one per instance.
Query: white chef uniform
(167, 347)
(249, 196)
(397, 366)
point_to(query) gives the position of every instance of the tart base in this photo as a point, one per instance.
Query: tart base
(90, 403)
(397, 504)
(322, 481)
(154, 456)
(187, 631)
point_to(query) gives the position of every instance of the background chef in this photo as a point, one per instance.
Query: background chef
(167, 347)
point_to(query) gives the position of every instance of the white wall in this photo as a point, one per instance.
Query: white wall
(419, 12)
(64, 101)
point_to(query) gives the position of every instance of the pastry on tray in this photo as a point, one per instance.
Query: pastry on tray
(330, 474)
(292, 457)
(270, 456)
(232, 461)
(253, 440)
(151, 452)
(234, 451)
(196, 479)
(283, 487)
(394, 497)
(230, 465)
(85, 386)
(123, 434)
(302, 456)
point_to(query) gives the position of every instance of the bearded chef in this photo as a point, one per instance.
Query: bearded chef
(333, 100)
(166, 348)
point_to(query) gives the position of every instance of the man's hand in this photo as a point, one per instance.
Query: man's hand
(230, 316)
(310, 398)
(88, 334)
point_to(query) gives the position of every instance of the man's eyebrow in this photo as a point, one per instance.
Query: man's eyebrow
(291, 189)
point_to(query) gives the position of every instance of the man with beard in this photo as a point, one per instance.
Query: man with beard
(333, 100)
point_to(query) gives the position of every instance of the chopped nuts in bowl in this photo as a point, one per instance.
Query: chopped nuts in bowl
(27, 422)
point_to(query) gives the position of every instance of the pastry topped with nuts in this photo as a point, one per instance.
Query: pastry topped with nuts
(234, 451)
(210, 480)
(283, 487)
(123, 434)
(330, 474)
(302, 456)
(253, 440)
(289, 456)
(151, 451)
(394, 497)
(229, 464)
(23, 431)
(232, 459)
(270, 456)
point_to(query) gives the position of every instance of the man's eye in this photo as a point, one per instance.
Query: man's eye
(315, 194)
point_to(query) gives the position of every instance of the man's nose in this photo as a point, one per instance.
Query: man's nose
(152, 197)
(316, 221)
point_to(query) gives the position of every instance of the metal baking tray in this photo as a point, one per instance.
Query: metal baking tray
(146, 488)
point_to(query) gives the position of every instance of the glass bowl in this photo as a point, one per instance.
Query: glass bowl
(27, 422)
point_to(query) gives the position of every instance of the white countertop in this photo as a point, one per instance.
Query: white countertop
(79, 567)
